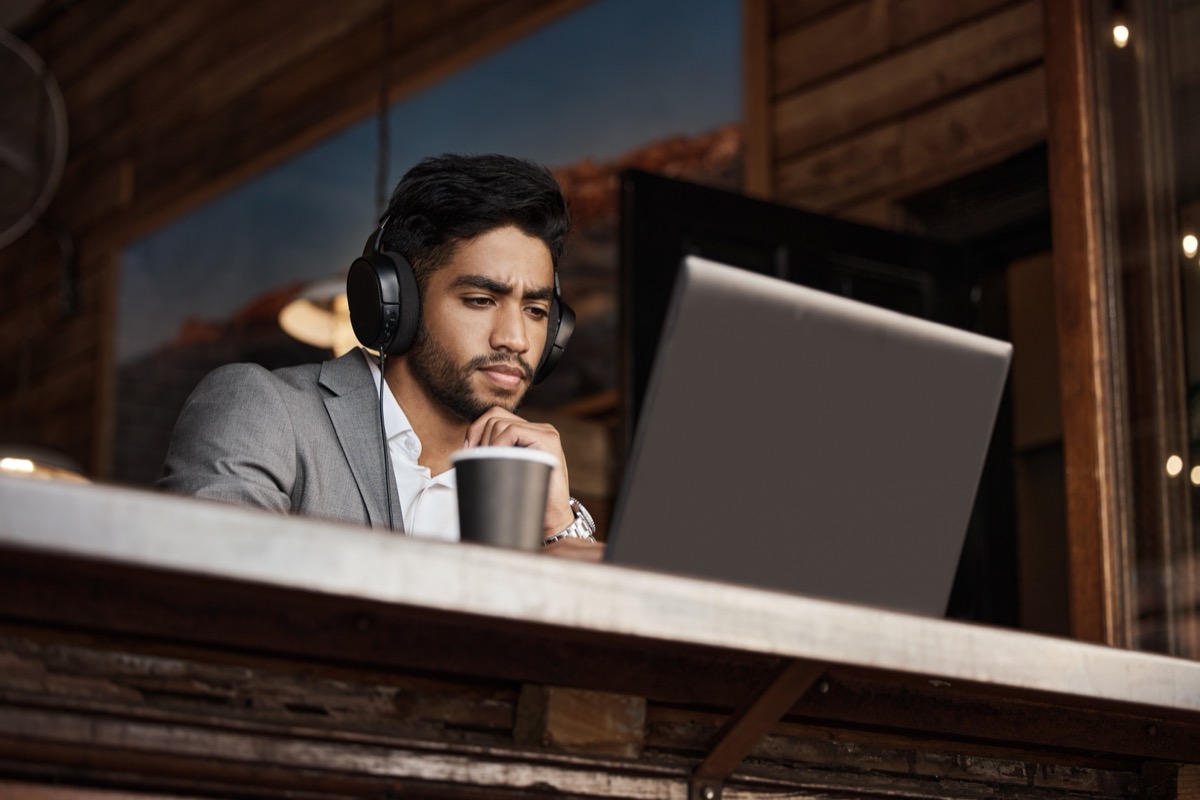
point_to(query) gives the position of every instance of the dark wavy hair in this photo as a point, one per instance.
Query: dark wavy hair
(449, 199)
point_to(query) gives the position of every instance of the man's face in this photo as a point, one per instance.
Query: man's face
(483, 328)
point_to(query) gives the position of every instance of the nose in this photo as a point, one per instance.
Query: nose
(508, 332)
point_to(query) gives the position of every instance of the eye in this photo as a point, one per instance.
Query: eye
(478, 301)
(537, 312)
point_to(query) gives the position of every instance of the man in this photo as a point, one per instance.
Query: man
(483, 236)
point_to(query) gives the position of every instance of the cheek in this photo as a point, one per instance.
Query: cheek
(456, 329)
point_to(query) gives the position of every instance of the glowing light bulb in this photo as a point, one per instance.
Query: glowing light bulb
(1195, 476)
(1120, 34)
(16, 464)
(1190, 245)
(1174, 466)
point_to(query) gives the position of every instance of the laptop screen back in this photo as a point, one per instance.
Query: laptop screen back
(795, 440)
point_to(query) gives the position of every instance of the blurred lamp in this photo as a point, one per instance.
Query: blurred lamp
(320, 316)
(39, 462)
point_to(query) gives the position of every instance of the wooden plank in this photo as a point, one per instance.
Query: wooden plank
(309, 31)
(208, 71)
(863, 165)
(1168, 781)
(217, 759)
(59, 27)
(921, 151)
(580, 721)
(14, 790)
(104, 108)
(148, 109)
(787, 13)
(909, 80)
(689, 730)
(851, 35)
(914, 20)
(154, 36)
(198, 167)
(860, 31)
(127, 26)
(1095, 512)
(757, 161)
(976, 130)
(942, 706)
(124, 681)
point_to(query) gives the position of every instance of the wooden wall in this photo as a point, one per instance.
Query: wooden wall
(853, 105)
(170, 104)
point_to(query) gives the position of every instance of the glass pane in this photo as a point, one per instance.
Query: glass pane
(1148, 82)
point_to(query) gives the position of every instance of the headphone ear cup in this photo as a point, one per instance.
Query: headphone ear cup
(558, 333)
(385, 305)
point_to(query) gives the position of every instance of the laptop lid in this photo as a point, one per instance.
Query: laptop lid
(796, 440)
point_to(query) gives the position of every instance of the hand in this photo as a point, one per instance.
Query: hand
(576, 549)
(499, 427)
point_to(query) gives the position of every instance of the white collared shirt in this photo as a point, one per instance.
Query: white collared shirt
(429, 503)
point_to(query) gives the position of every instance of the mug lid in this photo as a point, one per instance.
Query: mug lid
(496, 451)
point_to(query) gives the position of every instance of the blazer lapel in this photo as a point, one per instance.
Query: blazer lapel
(354, 411)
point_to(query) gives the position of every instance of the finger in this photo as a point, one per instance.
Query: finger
(495, 432)
(519, 433)
(476, 430)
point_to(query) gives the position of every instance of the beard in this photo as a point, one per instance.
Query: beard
(449, 383)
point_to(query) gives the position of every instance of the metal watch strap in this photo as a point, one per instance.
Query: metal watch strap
(584, 527)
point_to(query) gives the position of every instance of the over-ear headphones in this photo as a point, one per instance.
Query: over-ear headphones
(385, 306)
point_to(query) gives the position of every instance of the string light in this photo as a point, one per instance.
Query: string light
(1120, 34)
(1190, 245)
(1120, 24)
(1174, 466)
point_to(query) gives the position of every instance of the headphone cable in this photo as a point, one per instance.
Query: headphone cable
(387, 461)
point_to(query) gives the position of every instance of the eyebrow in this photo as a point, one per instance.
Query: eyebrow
(498, 287)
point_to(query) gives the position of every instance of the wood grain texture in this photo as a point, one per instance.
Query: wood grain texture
(1094, 497)
(580, 721)
(171, 645)
(923, 150)
(758, 161)
(906, 81)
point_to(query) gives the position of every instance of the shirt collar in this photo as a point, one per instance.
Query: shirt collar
(395, 421)
(399, 430)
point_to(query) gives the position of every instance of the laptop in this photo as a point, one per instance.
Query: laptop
(795, 440)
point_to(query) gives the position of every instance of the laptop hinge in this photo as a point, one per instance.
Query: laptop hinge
(748, 725)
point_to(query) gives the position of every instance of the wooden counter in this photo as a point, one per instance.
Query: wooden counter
(170, 645)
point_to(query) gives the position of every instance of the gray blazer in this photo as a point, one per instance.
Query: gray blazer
(302, 439)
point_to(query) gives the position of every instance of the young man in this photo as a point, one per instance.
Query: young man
(483, 235)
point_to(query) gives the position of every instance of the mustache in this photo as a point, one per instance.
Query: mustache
(483, 362)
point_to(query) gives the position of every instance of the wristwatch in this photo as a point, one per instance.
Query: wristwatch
(584, 527)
